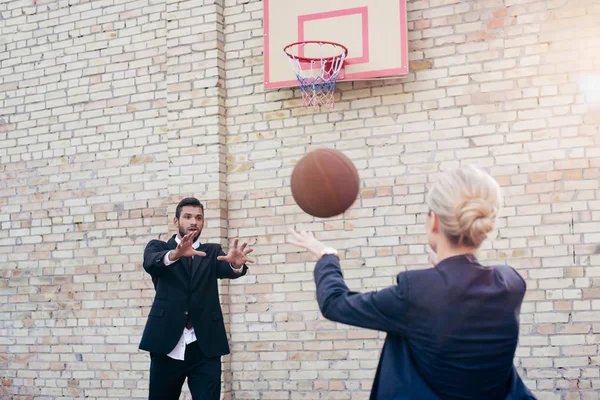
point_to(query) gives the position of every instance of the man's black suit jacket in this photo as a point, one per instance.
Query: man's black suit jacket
(179, 294)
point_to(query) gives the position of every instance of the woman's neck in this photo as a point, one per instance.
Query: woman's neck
(446, 251)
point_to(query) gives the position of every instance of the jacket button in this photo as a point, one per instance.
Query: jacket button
(185, 313)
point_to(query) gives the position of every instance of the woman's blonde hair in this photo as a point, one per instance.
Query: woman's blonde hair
(466, 202)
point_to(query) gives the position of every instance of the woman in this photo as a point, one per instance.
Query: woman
(452, 329)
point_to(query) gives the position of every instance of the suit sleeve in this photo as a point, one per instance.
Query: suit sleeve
(225, 270)
(383, 310)
(154, 254)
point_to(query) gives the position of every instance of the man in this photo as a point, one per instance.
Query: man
(185, 334)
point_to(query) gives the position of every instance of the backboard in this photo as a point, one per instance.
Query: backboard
(374, 31)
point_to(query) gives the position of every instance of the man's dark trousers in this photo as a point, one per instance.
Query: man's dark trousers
(203, 373)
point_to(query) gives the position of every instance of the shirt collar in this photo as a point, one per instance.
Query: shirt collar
(195, 245)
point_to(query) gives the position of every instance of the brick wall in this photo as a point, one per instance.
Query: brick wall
(113, 110)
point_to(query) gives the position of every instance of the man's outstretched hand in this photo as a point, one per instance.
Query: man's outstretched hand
(237, 256)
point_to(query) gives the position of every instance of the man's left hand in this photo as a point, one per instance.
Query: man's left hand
(237, 256)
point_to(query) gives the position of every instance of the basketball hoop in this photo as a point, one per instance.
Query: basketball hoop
(317, 75)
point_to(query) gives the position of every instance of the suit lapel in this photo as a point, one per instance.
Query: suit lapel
(182, 268)
(186, 267)
(199, 265)
(195, 266)
(172, 243)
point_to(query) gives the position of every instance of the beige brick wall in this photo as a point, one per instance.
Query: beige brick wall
(112, 110)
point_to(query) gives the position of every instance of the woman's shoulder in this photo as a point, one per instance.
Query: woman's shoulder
(509, 273)
(419, 278)
(430, 278)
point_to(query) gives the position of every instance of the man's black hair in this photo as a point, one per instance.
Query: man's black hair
(188, 201)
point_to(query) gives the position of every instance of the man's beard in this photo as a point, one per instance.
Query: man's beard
(182, 233)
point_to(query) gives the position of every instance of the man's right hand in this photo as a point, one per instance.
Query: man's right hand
(185, 249)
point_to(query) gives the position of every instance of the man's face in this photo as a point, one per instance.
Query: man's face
(191, 219)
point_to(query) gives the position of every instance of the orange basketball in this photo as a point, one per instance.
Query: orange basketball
(325, 183)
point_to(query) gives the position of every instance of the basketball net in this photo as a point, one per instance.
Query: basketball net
(317, 76)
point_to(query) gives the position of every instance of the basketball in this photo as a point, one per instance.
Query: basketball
(325, 183)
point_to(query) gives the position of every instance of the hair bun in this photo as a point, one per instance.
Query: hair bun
(476, 218)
